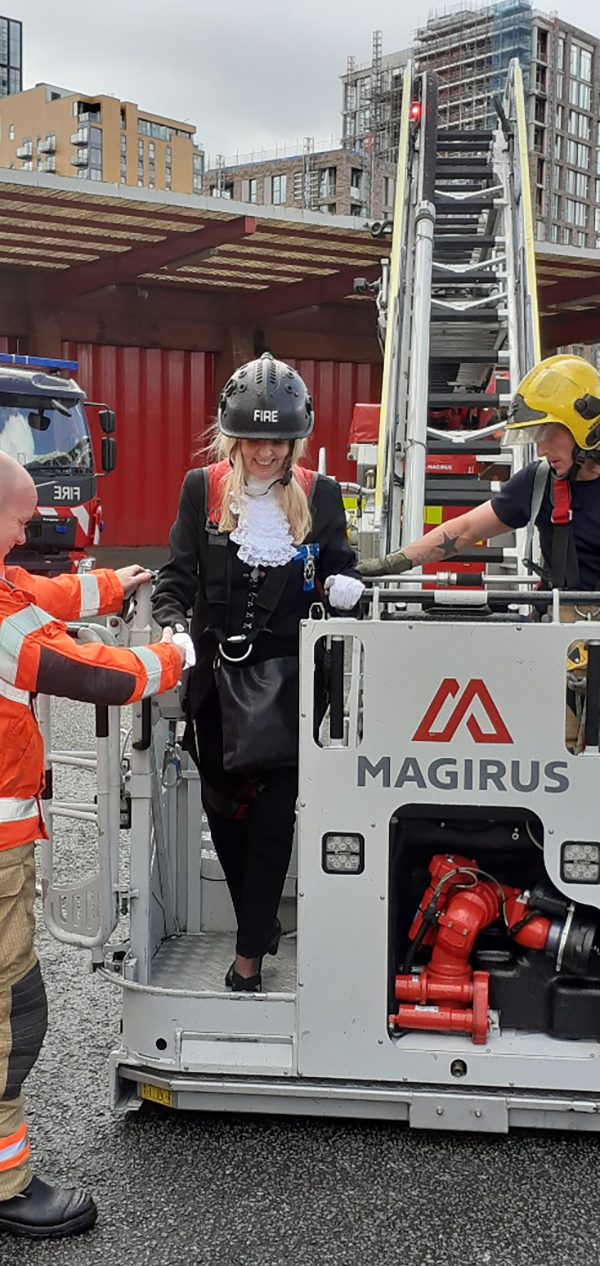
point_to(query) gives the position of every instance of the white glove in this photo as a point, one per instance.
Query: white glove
(343, 591)
(184, 641)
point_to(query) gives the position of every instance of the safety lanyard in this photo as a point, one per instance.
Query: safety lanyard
(565, 566)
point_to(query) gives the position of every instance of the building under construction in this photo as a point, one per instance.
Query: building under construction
(470, 49)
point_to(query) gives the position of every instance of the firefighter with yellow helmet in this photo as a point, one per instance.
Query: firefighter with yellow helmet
(557, 408)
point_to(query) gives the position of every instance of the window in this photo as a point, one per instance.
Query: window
(168, 168)
(279, 190)
(576, 213)
(123, 160)
(560, 116)
(11, 131)
(581, 239)
(580, 94)
(151, 163)
(560, 85)
(253, 190)
(597, 220)
(140, 162)
(566, 236)
(561, 54)
(558, 141)
(554, 233)
(581, 63)
(556, 173)
(327, 183)
(582, 185)
(328, 208)
(556, 201)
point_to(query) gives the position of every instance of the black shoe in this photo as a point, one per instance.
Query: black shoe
(43, 1212)
(273, 948)
(243, 984)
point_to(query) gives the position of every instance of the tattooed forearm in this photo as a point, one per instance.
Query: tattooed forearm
(449, 546)
(434, 548)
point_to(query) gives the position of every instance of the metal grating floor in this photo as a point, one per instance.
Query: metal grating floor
(200, 962)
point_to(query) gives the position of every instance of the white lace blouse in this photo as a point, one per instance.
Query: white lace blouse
(263, 532)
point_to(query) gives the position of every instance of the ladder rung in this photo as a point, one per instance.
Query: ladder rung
(470, 448)
(468, 358)
(453, 208)
(466, 135)
(483, 554)
(475, 315)
(476, 163)
(462, 241)
(463, 400)
(467, 282)
(475, 495)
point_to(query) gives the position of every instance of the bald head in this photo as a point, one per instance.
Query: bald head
(13, 476)
(18, 499)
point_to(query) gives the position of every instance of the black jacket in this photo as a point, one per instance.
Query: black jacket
(180, 588)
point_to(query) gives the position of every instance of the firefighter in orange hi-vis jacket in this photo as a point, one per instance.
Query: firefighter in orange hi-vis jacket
(38, 655)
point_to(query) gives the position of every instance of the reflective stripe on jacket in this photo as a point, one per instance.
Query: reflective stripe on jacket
(37, 655)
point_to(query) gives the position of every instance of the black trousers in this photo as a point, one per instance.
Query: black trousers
(254, 852)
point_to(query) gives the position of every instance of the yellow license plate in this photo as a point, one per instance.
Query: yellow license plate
(157, 1095)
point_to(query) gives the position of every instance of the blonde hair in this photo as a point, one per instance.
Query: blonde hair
(292, 498)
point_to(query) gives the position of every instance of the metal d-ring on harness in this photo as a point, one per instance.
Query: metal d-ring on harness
(171, 773)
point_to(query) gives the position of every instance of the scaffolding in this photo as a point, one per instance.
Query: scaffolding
(469, 48)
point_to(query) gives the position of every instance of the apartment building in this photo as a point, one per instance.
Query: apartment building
(11, 56)
(336, 182)
(51, 129)
(470, 49)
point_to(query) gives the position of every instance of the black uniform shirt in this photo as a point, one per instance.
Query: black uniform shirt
(181, 583)
(513, 507)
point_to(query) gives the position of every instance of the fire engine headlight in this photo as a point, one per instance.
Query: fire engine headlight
(580, 863)
(343, 854)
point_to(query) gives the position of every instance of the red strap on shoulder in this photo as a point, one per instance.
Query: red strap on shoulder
(305, 478)
(561, 502)
(216, 474)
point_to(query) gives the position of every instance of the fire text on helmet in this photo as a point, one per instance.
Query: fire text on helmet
(266, 415)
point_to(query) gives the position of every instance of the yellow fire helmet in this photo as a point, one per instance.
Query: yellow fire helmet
(564, 390)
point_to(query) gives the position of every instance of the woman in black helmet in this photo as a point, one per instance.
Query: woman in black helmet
(256, 541)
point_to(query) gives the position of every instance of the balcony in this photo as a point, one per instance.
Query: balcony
(80, 159)
(90, 116)
(81, 137)
(47, 164)
(26, 150)
(48, 146)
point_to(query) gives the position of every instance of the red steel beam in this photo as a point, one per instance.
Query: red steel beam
(127, 266)
(570, 327)
(570, 289)
(305, 294)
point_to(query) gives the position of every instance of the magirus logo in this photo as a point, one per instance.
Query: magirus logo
(450, 709)
(474, 706)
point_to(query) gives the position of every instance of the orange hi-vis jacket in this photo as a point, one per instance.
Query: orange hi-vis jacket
(37, 655)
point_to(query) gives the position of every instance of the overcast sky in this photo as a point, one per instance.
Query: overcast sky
(248, 74)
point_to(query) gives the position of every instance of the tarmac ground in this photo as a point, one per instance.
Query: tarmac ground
(240, 1190)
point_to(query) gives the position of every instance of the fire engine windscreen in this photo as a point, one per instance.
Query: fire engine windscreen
(46, 434)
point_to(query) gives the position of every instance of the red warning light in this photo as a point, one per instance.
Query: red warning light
(415, 112)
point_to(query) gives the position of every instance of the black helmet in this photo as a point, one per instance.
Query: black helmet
(265, 399)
